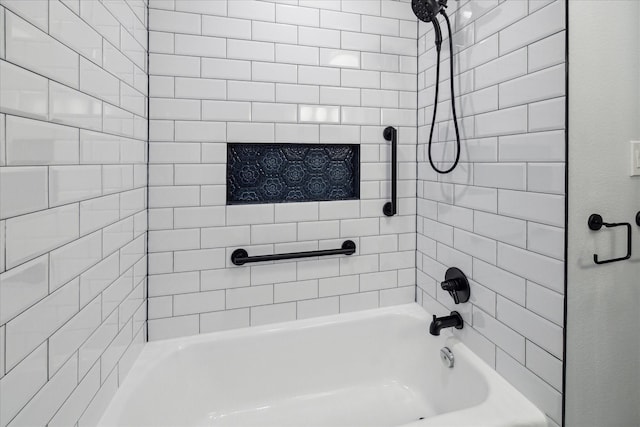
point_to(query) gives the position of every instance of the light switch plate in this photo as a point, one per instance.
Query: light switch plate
(635, 158)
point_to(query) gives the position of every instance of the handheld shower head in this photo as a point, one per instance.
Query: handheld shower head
(427, 10)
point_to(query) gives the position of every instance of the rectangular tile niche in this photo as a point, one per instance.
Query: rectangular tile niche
(285, 173)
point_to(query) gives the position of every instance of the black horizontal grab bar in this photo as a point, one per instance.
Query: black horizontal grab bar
(241, 257)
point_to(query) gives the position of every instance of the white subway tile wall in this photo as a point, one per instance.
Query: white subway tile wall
(272, 71)
(74, 163)
(500, 216)
(73, 218)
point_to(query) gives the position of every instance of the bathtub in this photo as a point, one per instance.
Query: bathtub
(372, 368)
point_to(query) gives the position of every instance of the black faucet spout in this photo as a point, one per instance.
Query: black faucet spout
(453, 320)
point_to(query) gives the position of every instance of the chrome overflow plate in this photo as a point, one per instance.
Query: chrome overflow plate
(446, 355)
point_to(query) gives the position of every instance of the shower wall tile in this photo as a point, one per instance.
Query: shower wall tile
(35, 50)
(33, 142)
(539, 391)
(20, 384)
(78, 401)
(65, 25)
(547, 52)
(22, 287)
(43, 406)
(50, 313)
(23, 92)
(31, 235)
(22, 190)
(35, 11)
(73, 98)
(292, 72)
(500, 216)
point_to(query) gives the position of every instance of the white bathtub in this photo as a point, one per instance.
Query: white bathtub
(372, 368)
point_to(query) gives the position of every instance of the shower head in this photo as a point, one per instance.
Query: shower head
(427, 10)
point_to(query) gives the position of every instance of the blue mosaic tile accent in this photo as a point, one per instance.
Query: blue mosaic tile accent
(281, 173)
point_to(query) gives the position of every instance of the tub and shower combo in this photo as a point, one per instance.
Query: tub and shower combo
(384, 367)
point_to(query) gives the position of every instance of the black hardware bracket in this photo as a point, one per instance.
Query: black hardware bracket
(596, 222)
(391, 134)
(241, 257)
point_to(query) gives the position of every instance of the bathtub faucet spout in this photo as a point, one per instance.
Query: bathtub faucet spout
(438, 323)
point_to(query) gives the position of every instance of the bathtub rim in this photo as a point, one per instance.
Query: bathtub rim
(410, 310)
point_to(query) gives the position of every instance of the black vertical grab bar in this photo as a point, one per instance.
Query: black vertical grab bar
(391, 134)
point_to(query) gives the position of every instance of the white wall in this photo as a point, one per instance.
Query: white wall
(261, 71)
(73, 133)
(603, 345)
(500, 216)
